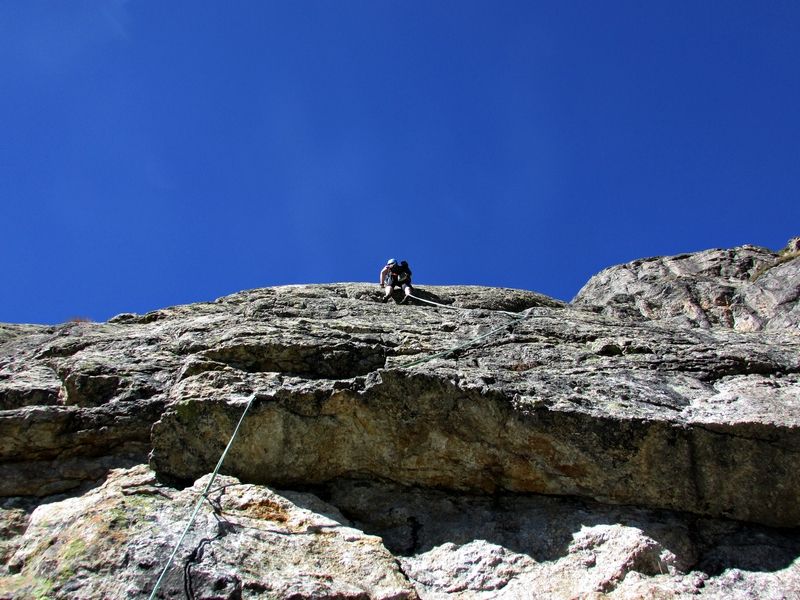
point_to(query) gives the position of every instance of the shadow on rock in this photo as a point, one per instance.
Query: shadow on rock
(413, 521)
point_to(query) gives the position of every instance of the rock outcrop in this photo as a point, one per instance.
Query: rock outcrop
(499, 443)
(746, 289)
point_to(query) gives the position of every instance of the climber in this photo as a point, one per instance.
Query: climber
(396, 275)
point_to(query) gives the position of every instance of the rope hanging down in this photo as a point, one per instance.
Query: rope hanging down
(517, 318)
(201, 498)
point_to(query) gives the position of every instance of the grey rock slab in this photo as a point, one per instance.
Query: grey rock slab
(746, 288)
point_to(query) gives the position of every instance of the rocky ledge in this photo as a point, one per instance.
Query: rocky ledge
(499, 442)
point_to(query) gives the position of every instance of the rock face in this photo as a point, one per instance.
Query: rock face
(745, 289)
(109, 542)
(500, 443)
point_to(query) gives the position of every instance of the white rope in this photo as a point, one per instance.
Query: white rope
(505, 312)
(435, 303)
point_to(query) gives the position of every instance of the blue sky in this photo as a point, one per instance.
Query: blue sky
(155, 153)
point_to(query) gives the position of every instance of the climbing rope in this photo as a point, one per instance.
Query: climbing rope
(434, 303)
(201, 498)
(431, 302)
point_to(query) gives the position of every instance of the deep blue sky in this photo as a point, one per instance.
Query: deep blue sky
(155, 153)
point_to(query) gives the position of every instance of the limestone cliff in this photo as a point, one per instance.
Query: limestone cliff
(642, 440)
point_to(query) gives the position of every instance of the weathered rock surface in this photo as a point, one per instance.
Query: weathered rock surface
(747, 289)
(252, 542)
(515, 447)
(564, 402)
(249, 542)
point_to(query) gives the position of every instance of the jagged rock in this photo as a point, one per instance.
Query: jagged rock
(508, 397)
(248, 541)
(523, 546)
(747, 289)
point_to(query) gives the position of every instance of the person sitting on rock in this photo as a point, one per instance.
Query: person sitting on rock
(396, 275)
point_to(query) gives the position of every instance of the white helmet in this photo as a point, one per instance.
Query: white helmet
(391, 262)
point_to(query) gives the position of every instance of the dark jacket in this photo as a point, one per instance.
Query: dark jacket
(401, 273)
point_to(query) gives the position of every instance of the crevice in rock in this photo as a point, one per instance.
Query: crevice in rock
(671, 407)
(137, 319)
(18, 398)
(740, 431)
(710, 366)
(88, 389)
(413, 521)
(737, 366)
(341, 361)
(65, 349)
